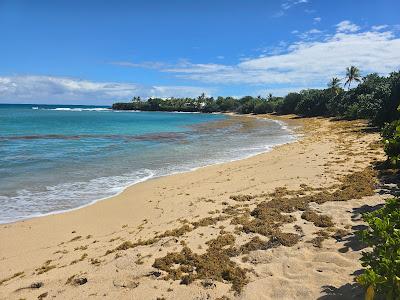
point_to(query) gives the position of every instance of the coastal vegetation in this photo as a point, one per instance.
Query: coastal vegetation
(381, 275)
(375, 98)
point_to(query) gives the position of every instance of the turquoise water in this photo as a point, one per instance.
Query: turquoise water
(56, 158)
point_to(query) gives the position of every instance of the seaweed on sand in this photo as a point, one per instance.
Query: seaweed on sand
(318, 220)
(45, 268)
(215, 264)
(11, 277)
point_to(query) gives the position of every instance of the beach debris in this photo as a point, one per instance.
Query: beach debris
(155, 274)
(44, 295)
(80, 281)
(76, 238)
(36, 285)
(74, 280)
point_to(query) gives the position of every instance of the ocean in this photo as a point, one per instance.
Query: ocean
(55, 158)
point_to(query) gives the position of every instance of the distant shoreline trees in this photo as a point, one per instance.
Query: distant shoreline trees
(375, 98)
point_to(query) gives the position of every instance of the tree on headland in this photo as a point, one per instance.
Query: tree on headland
(334, 85)
(136, 99)
(352, 74)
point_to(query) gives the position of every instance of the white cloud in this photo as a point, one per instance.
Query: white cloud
(379, 27)
(289, 4)
(347, 26)
(317, 20)
(281, 91)
(309, 11)
(47, 89)
(310, 34)
(286, 5)
(144, 64)
(306, 63)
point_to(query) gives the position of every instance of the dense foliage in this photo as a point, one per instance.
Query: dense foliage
(245, 105)
(375, 98)
(382, 273)
(391, 138)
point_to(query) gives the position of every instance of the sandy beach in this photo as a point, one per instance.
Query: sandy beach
(279, 225)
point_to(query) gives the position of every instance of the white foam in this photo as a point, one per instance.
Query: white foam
(77, 109)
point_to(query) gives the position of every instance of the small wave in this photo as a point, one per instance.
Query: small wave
(35, 107)
(28, 204)
(76, 109)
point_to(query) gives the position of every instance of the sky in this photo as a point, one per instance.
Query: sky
(100, 52)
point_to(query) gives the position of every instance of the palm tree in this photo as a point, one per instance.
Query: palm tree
(334, 85)
(352, 74)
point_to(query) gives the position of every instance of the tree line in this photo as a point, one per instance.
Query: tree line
(375, 98)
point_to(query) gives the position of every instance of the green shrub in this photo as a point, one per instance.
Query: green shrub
(313, 103)
(263, 108)
(382, 263)
(391, 138)
(289, 103)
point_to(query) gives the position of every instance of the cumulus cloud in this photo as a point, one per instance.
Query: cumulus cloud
(307, 62)
(48, 89)
(347, 26)
(310, 34)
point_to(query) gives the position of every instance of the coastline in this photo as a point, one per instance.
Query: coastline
(284, 126)
(162, 203)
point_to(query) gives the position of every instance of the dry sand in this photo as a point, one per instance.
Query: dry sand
(60, 252)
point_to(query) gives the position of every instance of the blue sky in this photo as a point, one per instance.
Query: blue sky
(99, 52)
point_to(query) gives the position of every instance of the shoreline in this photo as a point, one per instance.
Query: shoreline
(284, 126)
(129, 227)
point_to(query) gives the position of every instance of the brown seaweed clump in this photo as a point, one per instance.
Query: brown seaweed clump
(318, 220)
(321, 236)
(177, 232)
(47, 266)
(241, 198)
(207, 221)
(215, 264)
